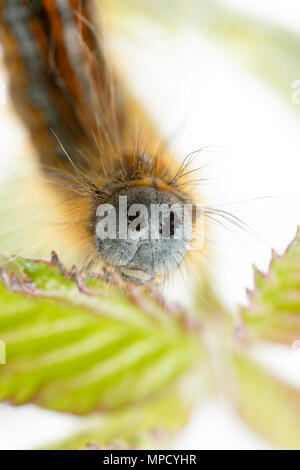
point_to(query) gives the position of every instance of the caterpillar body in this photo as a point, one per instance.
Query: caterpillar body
(86, 129)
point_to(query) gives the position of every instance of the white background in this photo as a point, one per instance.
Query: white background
(203, 97)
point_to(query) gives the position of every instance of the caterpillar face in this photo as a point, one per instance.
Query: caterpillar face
(143, 232)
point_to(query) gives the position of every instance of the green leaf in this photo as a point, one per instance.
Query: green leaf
(150, 425)
(274, 305)
(269, 51)
(75, 343)
(269, 406)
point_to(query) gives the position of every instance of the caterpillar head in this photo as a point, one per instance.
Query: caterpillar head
(144, 232)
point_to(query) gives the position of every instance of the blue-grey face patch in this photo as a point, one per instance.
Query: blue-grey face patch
(149, 233)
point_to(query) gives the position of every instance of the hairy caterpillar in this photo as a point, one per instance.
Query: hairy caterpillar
(86, 128)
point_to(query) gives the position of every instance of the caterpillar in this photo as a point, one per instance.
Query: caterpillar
(86, 128)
